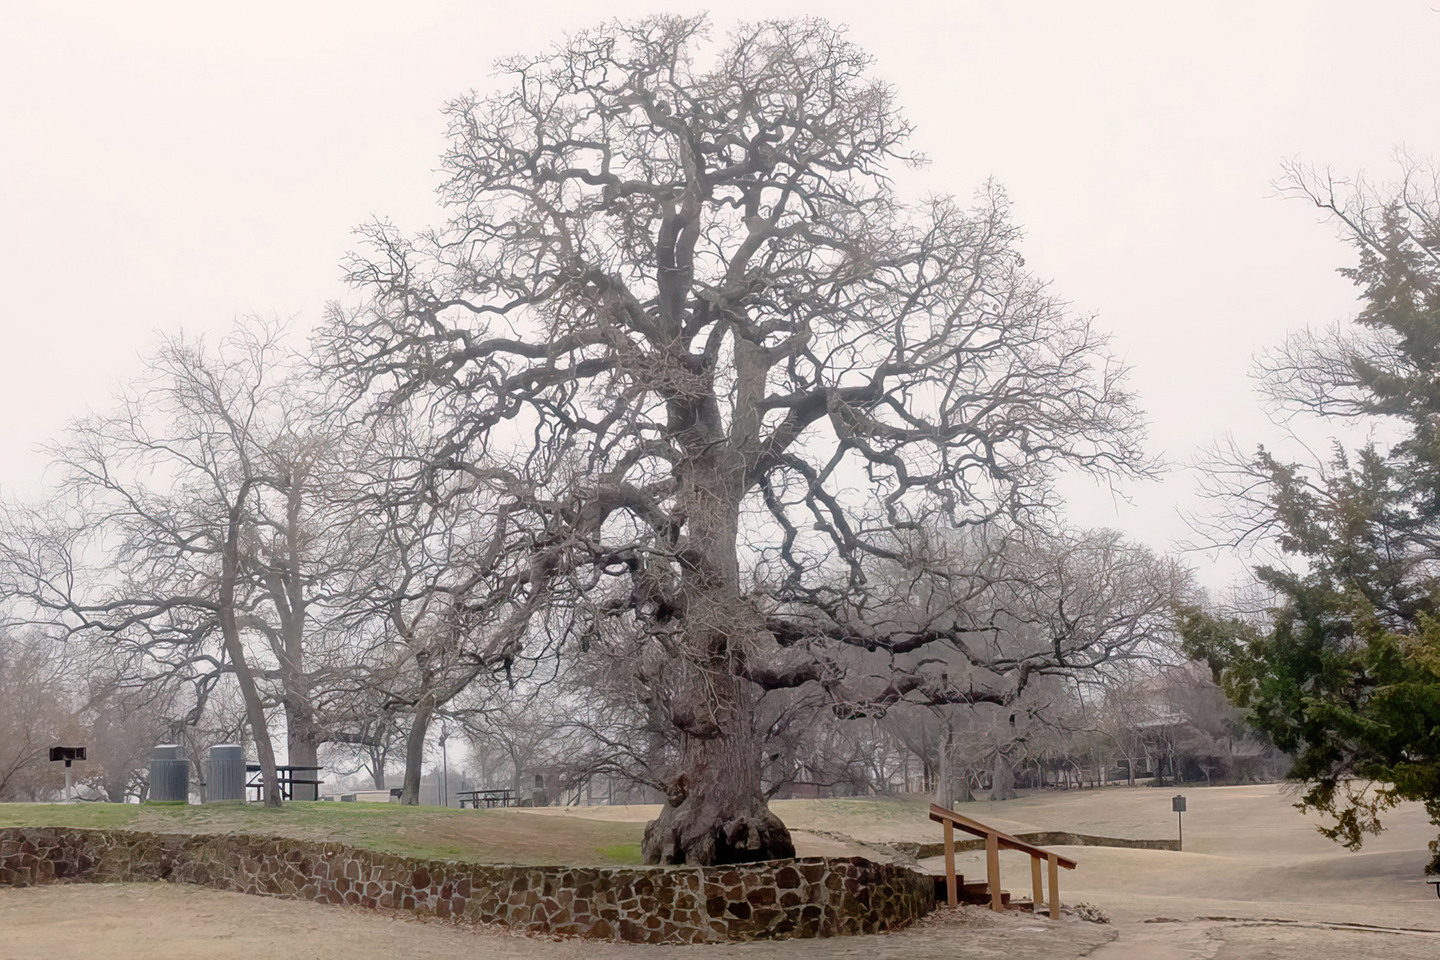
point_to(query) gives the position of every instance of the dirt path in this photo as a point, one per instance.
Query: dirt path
(180, 922)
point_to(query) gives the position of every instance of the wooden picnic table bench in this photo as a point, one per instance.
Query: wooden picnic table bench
(490, 796)
(285, 775)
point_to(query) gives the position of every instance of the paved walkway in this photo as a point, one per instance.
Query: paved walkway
(164, 921)
(180, 922)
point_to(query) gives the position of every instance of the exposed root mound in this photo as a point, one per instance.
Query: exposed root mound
(696, 833)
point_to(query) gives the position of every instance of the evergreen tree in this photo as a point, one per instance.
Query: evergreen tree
(1343, 674)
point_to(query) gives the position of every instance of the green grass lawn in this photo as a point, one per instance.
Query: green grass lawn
(484, 836)
(598, 836)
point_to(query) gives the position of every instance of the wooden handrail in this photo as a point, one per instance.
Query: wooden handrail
(994, 841)
(1007, 842)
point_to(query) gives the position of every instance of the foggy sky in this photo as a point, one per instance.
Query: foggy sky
(167, 165)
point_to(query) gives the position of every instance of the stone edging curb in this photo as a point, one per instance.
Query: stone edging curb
(780, 899)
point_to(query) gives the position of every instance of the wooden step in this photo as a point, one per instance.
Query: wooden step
(976, 892)
(1027, 906)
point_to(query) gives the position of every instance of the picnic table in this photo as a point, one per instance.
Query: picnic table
(490, 797)
(287, 775)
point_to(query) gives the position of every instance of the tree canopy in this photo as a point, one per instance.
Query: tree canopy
(723, 380)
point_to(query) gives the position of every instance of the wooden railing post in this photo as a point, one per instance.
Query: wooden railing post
(994, 840)
(1054, 887)
(992, 869)
(952, 895)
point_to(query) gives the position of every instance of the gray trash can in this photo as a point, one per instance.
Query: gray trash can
(225, 773)
(169, 774)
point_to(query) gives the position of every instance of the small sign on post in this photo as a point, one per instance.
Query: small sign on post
(68, 754)
(1177, 803)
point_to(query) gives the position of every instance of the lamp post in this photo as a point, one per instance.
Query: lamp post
(444, 769)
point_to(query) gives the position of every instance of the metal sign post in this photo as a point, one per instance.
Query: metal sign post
(1177, 803)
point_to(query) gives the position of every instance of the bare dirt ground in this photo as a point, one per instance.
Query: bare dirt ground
(1254, 881)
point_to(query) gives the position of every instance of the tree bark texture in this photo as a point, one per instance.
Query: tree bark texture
(715, 811)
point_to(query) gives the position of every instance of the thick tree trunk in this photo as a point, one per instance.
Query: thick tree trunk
(945, 781)
(303, 734)
(1002, 780)
(517, 772)
(255, 715)
(115, 788)
(230, 635)
(963, 793)
(716, 812)
(377, 767)
(415, 750)
(377, 750)
(304, 751)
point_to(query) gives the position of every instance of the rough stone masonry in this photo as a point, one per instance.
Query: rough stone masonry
(806, 897)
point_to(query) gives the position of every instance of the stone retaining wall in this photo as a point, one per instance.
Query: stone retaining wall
(809, 897)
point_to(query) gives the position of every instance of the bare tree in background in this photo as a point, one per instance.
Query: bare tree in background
(35, 708)
(681, 316)
(193, 532)
(373, 733)
(449, 592)
(126, 714)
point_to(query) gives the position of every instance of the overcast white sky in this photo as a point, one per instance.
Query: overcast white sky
(175, 165)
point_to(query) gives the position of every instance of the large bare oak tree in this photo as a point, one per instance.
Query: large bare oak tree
(682, 320)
